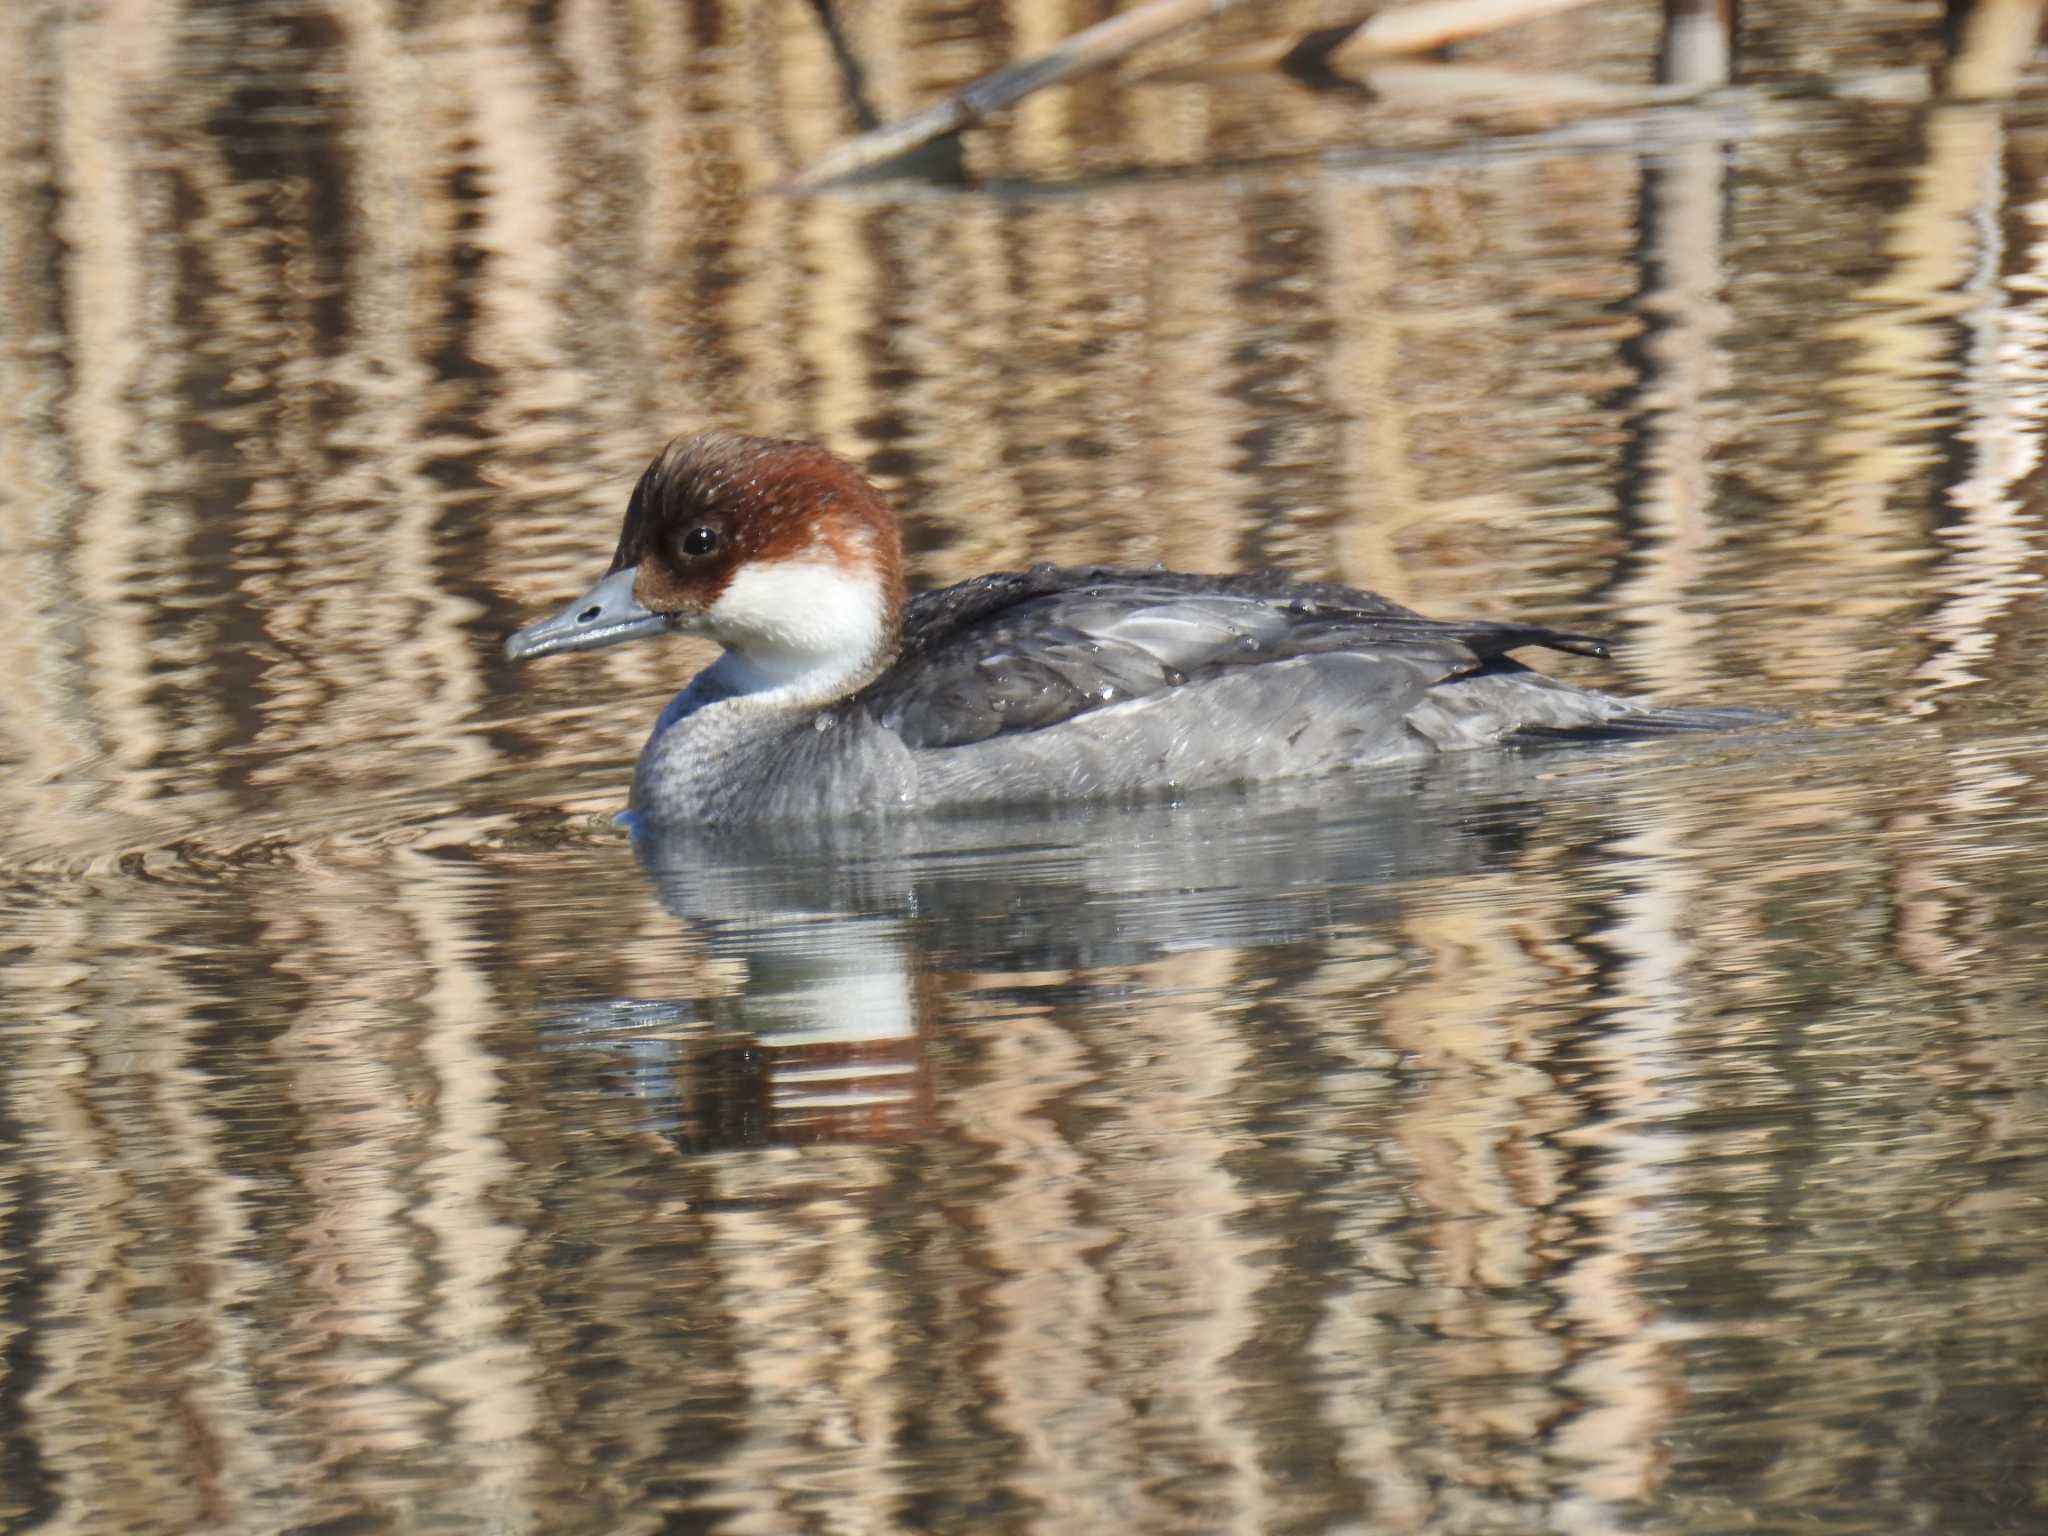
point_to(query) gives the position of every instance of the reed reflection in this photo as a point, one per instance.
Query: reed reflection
(1134, 1065)
(837, 935)
(1598, 1152)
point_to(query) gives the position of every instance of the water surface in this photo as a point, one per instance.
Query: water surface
(1625, 1140)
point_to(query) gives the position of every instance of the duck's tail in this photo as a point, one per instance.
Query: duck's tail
(1645, 725)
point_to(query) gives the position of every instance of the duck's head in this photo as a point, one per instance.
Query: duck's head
(779, 550)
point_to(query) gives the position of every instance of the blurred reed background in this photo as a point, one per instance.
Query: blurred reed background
(1666, 1154)
(340, 330)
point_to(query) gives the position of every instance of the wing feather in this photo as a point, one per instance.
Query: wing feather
(1026, 650)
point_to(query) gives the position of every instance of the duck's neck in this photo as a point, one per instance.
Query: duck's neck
(798, 634)
(782, 682)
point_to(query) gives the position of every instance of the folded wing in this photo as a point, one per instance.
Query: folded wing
(1024, 651)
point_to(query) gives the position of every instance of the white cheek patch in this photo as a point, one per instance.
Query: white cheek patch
(788, 622)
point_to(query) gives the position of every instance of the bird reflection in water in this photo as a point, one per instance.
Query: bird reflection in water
(851, 939)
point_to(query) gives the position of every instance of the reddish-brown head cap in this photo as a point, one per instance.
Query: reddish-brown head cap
(712, 506)
(779, 550)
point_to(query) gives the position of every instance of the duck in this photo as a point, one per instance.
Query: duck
(838, 694)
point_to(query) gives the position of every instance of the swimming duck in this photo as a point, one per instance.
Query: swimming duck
(838, 694)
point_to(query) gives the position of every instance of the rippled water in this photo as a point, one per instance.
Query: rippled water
(1617, 1140)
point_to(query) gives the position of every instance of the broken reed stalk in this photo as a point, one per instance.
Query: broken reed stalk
(1699, 42)
(1387, 33)
(1093, 48)
(1995, 42)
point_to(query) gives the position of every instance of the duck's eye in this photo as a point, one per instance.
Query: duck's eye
(700, 541)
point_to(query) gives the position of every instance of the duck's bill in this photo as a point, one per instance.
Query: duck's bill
(605, 615)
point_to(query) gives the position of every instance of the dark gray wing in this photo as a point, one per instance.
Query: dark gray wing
(1026, 650)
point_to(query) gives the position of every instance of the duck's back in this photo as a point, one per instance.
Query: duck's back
(1002, 656)
(1073, 682)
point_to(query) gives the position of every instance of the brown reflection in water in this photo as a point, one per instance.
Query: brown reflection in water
(368, 321)
(1526, 1280)
(1993, 543)
(333, 343)
(1131, 1249)
(264, 1207)
(1897, 387)
(1684, 419)
(1399, 1221)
